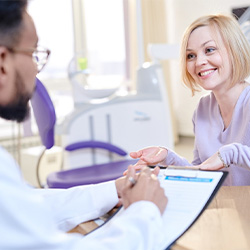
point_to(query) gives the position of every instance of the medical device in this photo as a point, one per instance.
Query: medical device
(131, 122)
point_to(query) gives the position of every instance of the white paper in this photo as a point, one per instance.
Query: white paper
(188, 192)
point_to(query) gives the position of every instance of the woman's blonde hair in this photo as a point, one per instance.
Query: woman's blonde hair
(234, 41)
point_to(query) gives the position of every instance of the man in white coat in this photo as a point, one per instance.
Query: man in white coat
(40, 218)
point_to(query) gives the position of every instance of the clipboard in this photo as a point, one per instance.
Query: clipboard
(182, 179)
(187, 176)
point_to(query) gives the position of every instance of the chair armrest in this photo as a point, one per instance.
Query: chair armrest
(96, 144)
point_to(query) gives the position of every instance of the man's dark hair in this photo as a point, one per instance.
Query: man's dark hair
(11, 13)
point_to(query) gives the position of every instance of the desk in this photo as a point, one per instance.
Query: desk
(224, 225)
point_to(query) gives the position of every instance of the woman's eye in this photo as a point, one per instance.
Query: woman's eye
(210, 50)
(190, 56)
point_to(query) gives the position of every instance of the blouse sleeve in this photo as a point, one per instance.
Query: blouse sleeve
(236, 153)
(174, 159)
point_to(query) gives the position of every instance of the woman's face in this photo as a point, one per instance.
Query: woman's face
(209, 65)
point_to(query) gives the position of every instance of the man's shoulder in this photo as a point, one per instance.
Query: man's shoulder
(8, 165)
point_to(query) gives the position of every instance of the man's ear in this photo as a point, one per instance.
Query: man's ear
(5, 63)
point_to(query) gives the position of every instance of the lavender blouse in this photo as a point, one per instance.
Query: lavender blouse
(210, 136)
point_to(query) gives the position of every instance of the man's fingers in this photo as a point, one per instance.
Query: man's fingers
(156, 171)
(154, 177)
(125, 172)
(137, 167)
(130, 177)
(146, 170)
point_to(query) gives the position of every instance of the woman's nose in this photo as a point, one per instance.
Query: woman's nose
(201, 59)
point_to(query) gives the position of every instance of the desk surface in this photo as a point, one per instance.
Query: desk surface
(224, 225)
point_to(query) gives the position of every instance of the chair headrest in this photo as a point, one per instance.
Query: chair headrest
(44, 113)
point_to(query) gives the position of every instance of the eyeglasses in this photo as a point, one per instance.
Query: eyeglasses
(39, 55)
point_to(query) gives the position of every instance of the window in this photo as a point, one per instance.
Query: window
(54, 23)
(102, 41)
(105, 36)
(100, 25)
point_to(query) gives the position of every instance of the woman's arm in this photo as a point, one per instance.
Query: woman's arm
(234, 153)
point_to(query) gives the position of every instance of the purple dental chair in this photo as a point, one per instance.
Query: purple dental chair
(45, 116)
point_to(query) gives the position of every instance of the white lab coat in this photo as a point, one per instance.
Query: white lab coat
(38, 218)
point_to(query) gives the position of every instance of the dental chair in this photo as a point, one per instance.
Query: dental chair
(45, 117)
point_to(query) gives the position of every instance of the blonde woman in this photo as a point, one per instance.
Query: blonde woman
(215, 56)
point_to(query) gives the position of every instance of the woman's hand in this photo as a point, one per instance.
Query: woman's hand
(149, 156)
(212, 163)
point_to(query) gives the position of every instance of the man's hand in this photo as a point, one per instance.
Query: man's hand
(147, 187)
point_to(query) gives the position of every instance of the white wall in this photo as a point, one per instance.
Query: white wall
(180, 13)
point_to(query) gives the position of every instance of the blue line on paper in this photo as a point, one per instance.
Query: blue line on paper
(191, 179)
